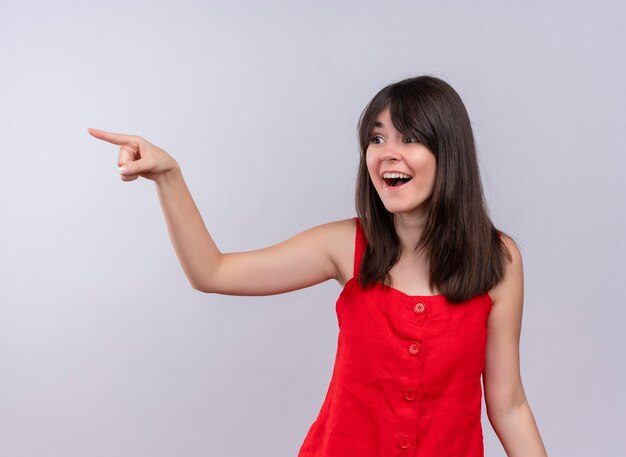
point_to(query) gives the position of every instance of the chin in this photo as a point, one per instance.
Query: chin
(398, 209)
(402, 209)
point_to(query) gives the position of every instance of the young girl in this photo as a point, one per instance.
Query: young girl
(432, 291)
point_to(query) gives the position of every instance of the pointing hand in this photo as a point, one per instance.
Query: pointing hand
(137, 156)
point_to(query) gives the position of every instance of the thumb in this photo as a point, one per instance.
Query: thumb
(133, 167)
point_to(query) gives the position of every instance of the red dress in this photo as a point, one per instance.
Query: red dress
(407, 375)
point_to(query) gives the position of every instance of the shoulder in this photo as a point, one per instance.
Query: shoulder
(340, 230)
(512, 280)
(513, 249)
(338, 239)
(330, 232)
(341, 234)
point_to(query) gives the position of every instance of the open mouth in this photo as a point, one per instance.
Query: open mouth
(396, 179)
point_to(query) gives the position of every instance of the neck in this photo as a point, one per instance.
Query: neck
(409, 228)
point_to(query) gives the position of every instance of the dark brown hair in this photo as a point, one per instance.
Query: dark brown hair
(465, 251)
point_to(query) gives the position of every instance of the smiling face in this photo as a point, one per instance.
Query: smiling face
(401, 169)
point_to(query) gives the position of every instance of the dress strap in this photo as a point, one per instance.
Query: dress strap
(359, 246)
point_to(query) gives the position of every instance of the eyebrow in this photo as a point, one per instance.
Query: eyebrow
(378, 124)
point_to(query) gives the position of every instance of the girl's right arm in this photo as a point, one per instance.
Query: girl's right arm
(310, 257)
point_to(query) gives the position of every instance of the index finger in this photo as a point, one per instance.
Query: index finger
(115, 138)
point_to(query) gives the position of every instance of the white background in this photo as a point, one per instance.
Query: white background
(106, 350)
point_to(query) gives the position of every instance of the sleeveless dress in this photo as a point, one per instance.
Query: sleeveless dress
(407, 375)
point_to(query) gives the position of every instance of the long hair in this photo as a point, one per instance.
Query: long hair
(464, 249)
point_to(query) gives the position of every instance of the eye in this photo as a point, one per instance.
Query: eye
(410, 140)
(377, 139)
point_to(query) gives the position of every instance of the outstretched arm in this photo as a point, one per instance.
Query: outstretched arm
(507, 407)
(308, 258)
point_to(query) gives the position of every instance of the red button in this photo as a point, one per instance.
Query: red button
(415, 348)
(419, 308)
(404, 442)
(409, 394)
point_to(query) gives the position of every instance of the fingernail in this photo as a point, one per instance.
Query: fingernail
(123, 170)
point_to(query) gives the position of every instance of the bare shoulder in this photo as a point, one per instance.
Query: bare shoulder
(340, 240)
(512, 283)
(513, 249)
(340, 228)
(312, 256)
(336, 241)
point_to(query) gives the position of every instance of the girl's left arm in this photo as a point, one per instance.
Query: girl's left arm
(507, 407)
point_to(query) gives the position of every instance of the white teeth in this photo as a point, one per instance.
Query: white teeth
(395, 176)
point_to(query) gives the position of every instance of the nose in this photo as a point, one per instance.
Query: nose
(390, 153)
